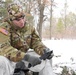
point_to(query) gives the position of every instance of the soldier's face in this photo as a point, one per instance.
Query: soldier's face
(19, 22)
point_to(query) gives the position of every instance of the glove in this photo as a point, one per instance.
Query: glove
(19, 73)
(20, 69)
(33, 60)
(48, 54)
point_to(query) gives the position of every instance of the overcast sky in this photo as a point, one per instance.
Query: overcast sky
(60, 5)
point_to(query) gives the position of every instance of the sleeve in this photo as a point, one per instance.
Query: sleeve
(36, 43)
(11, 53)
(5, 47)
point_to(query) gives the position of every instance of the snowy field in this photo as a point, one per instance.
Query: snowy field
(65, 49)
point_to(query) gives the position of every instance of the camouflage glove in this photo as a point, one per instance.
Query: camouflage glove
(33, 60)
(48, 54)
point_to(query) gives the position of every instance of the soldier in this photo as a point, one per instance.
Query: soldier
(22, 38)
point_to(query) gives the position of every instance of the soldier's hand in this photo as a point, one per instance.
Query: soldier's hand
(20, 68)
(33, 60)
(48, 54)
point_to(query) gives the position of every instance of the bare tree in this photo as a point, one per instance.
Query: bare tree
(65, 10)
(51, 17)
(41, 7)
(41, 16)
(36, 6)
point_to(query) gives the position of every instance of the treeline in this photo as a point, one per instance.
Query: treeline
(58, 27)
(40, 14)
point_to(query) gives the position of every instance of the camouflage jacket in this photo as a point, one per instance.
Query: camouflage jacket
(7, 50)
(20, 41)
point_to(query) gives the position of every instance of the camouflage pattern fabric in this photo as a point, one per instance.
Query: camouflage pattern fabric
(20, 39)
(26, 38)
(15, 11)
(10, 52)
(7, 50)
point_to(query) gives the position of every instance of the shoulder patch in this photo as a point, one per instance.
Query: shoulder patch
(4, 31)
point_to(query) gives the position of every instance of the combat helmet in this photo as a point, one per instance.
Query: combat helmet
(15, 11)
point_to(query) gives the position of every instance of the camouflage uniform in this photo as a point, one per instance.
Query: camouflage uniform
(8, 51)
(6, 66)
(21, 39)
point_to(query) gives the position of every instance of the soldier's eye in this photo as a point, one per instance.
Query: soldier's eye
(18, 19)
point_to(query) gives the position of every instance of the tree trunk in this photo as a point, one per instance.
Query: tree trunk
(41, 16)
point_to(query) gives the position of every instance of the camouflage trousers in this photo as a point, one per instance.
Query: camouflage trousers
(6, 66)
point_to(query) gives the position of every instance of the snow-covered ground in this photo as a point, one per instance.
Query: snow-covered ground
(64, 50)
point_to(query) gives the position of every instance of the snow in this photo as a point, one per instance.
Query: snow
(64, 50)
